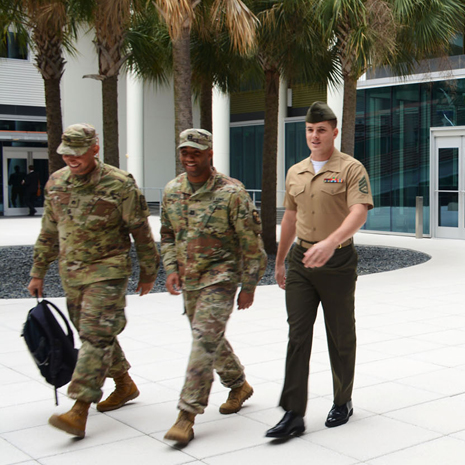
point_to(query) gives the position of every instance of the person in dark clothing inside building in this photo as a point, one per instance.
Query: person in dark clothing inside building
(16, 182)
(31, 185)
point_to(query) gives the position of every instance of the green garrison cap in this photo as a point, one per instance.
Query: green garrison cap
(319, 112)
(197, 138)
(77, 139)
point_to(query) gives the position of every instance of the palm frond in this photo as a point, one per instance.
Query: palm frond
(178, 14)
(239, 21)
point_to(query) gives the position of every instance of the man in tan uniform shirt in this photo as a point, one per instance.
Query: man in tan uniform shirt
(327, 199)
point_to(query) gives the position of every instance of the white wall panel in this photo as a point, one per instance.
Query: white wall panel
(81, 99)
(20, 83)
(159, 144)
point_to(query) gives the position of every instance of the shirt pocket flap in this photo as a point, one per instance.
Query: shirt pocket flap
(296, 189)
(334, 188)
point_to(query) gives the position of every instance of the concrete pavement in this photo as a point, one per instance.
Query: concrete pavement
(409, 396)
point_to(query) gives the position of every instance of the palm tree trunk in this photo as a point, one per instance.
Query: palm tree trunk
(348, 116)
(206, 98)
(110, 120)
(270, 157)
(54, 123)
(182, 88)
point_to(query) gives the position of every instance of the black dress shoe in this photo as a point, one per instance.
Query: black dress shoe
(290, 425)
(339, 415)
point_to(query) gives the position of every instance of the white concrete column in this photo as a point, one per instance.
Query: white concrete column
(135, 128)
(221, 120)
(335, 101)
(281, 171)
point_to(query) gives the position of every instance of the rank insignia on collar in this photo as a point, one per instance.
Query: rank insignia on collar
(336, 180)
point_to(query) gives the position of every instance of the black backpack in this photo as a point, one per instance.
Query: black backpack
(52, 349)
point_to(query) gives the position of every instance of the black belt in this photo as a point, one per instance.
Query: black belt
(307, 244)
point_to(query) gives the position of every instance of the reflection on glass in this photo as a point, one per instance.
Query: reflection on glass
(448, 211)
(449, 169)
(41, 166)
(246, 156)
(17, 169)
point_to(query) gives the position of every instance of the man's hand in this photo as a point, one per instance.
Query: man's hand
(322, 251)
(244, 300)
(280, 275)
(144, 288)
(173, 284)
(318, 254)
(36, 287)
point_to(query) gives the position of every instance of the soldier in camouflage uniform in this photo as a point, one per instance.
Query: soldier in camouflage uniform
(91, 210)
(210, 242)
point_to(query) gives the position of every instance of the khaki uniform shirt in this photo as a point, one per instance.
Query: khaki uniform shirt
(322, 200)
(86, 224)
(211, 235)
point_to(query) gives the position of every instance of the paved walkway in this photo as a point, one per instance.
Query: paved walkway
(409, 397)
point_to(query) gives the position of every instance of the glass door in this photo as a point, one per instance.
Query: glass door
(16, 162)
(449, 187)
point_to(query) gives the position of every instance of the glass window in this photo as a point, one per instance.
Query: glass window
(360, 128)
(392, 140)
(32, 126)
(17, 170)
(378, 156)
(448, 169)
(448, 210)
(456, 45)
(296, 144)
(405, 156)
(41, 166)
(13, 48)
(246, 149)
(424, 167)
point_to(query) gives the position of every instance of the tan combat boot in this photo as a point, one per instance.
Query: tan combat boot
(183, 430)
(74, 421)
(236, 398)
(125, 391)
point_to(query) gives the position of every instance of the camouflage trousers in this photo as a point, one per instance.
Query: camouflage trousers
(97, 312)
(208, 310)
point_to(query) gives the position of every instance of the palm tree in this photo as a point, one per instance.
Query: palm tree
(179, 15)
(287, 45)
(50, 32)
(111, 20)
(367, 33)
(150, 48)
(290, 45)
(215, 63)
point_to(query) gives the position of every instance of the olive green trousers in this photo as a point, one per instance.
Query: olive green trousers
(332, 285)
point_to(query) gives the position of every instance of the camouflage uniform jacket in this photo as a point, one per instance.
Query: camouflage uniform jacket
(212, 235)
(86, 223)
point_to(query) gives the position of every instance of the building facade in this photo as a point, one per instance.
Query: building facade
(410, 134)
(23, 127)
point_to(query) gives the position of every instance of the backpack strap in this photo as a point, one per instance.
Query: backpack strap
(65, 320)
(46, 312)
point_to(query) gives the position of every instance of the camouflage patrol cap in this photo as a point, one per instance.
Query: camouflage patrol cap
(197, 138)
(77, 139)
(319, 112)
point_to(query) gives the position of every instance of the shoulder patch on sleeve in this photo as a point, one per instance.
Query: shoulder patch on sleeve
(363, 185)
(256, 217)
